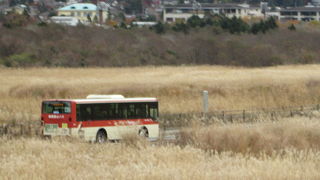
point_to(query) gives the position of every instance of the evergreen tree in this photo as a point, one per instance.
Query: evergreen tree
(292, 27)
(263, 27)
(159, 28)
(234, 25)
(255, 28)
(181, 27)
(271, 23)
(195, 21)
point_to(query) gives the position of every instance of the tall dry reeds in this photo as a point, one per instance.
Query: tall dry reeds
(178, 88)
(284, 149)
(262, 137)
(60, 159)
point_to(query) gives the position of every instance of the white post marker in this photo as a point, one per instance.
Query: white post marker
(205, 101)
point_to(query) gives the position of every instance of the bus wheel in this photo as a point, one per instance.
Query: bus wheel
(101, 136)
(143, 132)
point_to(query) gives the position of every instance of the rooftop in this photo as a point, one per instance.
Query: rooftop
(80, 6)
(123, 100)
(205, 6)
(302, 9)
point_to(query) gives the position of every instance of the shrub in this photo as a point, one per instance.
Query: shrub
(181, 27)
(13, 20)
(292, 27)
(234, 25)
(159, 28)
(20, 60)
(195, 21)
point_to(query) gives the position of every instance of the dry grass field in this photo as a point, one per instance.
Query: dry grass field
(295, 155)
(284, 149)
(178, 88)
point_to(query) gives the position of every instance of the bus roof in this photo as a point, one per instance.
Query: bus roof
(88, 101)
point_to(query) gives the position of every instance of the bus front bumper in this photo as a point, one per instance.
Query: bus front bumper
(54, 130)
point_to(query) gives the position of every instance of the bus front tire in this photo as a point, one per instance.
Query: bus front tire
(101, 137)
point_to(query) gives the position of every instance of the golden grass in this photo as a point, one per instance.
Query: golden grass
(288, 149)
(58, 159)
(267, 137)
(178, 88)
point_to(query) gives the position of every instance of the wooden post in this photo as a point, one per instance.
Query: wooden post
(223, 115)
(244, 115)
(5, 130)
(21, 129)
(30, 130)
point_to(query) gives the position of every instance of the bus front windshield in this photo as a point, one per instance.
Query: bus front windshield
(56, 107)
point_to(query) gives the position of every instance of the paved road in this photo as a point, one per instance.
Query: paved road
(169, 134)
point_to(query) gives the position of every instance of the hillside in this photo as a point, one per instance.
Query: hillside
(54, 45)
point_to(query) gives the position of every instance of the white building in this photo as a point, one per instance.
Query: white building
(300, 14)
(85, 12)
(176, 13)
(65, 20)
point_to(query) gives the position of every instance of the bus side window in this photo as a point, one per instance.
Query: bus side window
(138, 110)
(131, 111)
(85, 112)
(142, 110)
(153, 110)
(124, 110)
(98, 112)
(147, 111)
(88, 113)
(105, 114)
(78, 112)
(112, 110)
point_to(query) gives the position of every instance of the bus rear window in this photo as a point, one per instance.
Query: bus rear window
(56, 107)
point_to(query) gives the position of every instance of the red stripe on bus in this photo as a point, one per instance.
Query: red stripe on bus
(117, 123)
(101, 123)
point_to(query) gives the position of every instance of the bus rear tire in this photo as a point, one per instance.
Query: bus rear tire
(143, 132)
(101, 136)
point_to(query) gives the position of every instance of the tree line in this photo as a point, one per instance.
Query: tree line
(54, 45)
(232, 25)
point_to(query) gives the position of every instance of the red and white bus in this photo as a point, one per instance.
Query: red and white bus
(100, 117)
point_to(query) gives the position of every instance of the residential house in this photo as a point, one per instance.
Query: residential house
(18, 9)
(85, 12)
